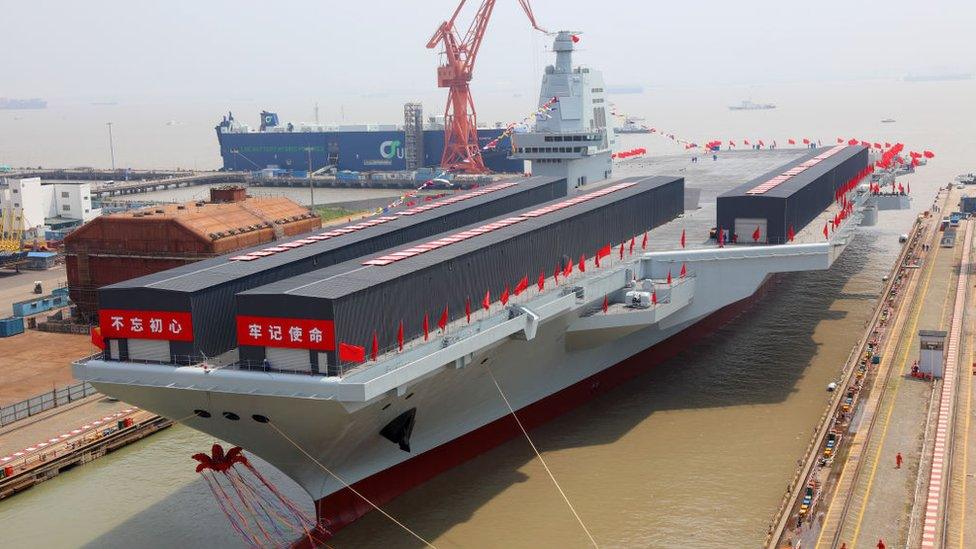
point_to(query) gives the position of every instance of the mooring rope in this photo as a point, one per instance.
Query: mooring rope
(351, 489)
(541, 460)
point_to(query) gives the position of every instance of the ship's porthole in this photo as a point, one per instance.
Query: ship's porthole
(259, 418)
(202, 413)
(231, 416)
(408, 396)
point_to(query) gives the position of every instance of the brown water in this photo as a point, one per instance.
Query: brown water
(696, 453)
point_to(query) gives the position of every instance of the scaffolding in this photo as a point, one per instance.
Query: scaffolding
(11, 230)
(413, 130)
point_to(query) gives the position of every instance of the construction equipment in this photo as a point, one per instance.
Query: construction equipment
(11, 230)
(461, 150)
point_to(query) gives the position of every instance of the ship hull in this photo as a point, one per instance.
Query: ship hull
(344, 507)
(459, 413)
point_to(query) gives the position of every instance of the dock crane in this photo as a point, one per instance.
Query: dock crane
(461, 150)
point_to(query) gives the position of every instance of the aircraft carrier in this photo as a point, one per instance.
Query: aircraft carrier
(365, 359)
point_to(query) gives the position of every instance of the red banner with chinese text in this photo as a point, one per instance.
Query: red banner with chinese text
(133, 324)
(294, 333)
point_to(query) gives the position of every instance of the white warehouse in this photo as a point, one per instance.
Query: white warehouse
(27, 206)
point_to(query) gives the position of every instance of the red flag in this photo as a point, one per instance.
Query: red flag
(96, 337)
(504, 297)
(790, 234)
(682, 238)
(826, 234)
(351, 353)
(596, 260)
(654, 298)
(840, 139)
(721, 238)
(644, 242)
(426, 327)
(442, 322)
(542, 281)
(746, 141)
(792, 141)
(604, 251)
(756, 234)
(582, 264)
(606, 303)
(684, 271)
(555, 275)
(621, 250)
(375, 352)
(568, 268)
(806, 141)
(669, 277)
(522, 285)
(633, 241)
(400, 335)
(467, 309)
(486, 302)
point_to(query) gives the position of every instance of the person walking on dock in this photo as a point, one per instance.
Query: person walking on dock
(881, 544)
(898, 460)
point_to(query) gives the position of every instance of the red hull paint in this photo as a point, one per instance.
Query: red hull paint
(342, 508)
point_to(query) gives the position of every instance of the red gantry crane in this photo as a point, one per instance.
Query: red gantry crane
(461, 150)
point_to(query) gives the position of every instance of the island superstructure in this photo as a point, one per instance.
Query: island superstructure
(573, 140)
(372, 349)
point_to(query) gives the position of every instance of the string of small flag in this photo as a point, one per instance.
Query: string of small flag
(543, 112)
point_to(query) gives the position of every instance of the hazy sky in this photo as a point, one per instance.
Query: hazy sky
(242, 49)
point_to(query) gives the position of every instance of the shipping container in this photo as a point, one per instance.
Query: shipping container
(374, 294)
(790, 196)
(11, 326)
(200, 296)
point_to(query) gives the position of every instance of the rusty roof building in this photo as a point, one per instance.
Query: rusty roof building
(118, 247)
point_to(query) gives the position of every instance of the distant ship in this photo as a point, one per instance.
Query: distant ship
(750, 106)
(633, 125)
(22, 104)
(939, 77)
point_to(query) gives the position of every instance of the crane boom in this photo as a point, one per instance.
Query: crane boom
(461, 149)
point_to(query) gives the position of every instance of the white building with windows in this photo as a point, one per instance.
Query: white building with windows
(27, 206)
